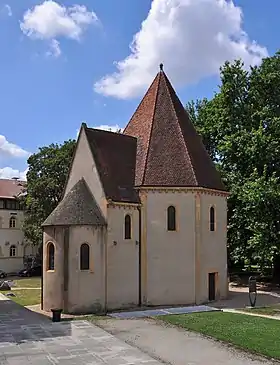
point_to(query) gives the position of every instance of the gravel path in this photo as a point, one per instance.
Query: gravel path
(175, 346)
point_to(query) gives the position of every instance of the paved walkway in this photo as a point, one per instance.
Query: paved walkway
(27, 337)
(239, 298)
(30, 338)
(161, 312)
(276, 317)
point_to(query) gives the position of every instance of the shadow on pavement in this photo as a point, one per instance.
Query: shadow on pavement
(20, 325)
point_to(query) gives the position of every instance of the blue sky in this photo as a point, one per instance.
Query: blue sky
(62, 63)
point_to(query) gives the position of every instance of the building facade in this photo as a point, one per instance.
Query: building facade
(143, 219)
(13, 248)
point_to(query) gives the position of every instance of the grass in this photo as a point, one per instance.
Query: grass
(33, 282)
(272, 310)
(255, 334)
(25, 296)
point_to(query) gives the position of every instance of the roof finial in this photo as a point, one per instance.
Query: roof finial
(161, 67)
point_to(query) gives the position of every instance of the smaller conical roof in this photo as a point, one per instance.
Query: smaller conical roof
(77, 208)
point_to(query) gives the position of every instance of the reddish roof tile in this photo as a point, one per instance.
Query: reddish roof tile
(10, 188)
(115, 157)
(140, 126)
(169, 150)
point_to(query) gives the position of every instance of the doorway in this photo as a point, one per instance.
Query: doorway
(212, 286)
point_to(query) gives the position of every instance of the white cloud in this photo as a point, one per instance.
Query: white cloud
(193, 38)
(110, 128)
(104, 127)
(8, 149)
(8, 10)
(54, 50)
(50, 20)
(9, 173)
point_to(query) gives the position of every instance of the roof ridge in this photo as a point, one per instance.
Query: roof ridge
(179, 125)
(109, 132)
(93, 197)
(95, 159)
(139, 105)
(151, 130)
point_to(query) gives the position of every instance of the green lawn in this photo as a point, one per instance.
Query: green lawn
(256, 334)
(272, 310)
(26, 297)
(33, 282)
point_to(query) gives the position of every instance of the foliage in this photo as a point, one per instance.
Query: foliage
(241, 130)
(46, 178)
(255, 334)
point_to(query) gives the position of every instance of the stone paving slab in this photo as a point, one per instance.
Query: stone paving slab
(27, 337)
(162, 312)
(72, 343)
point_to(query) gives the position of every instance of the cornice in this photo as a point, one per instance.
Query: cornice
(125, 205)
(193, 190)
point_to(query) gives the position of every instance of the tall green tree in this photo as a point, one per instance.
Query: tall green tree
(241, 127)
(46, 177)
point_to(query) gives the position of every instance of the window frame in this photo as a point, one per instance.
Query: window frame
(87, 258)
(128, 227)
(14, 220)
(50, 263)
(13, 251)
(212, 219)
(171, 218)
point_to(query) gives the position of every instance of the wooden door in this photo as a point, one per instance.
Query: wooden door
(212, 286)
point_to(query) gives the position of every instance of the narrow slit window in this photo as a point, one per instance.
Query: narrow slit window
(12, 222)
(13, 251)
(212, 219)
(84, 257)
(127, 227)
(171, 218)
(50, 256)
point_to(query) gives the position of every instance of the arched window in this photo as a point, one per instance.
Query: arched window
(171, 218)
(127, 227)
(50, 256)
(84, 257)
(212, 219)
(12, 222)
(13, 251)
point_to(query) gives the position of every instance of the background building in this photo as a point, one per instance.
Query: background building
(13, 248)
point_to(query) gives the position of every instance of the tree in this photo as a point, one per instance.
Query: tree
(241, 127)
(46, 177)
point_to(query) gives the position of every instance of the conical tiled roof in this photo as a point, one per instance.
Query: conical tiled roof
(77, 208)
(169, 150)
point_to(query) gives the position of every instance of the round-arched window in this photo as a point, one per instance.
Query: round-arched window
(50, 255)
(84, 257)
(171, 218)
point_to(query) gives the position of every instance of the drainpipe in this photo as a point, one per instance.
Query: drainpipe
(105, 238)
(42, 275)
(139, 253)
